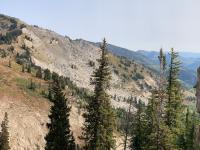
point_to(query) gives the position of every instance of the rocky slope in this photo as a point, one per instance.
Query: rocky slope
(28, 110)
(73, 58)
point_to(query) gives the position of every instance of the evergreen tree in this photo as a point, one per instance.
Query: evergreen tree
(23, 67)
(127, 123)
(39, 73)
(32, 85)
(190, 127)
(50, 96)
(138, 139)
(55, 76)
(174, 102)
(29, 68)
(59, 136)
(158, 134)
(62, 82)
(4, 136)
(47, 74)
(174, 112)
(99, 118)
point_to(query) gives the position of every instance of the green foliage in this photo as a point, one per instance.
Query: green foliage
(4, 135)
(3, 53)
(99, 118)
(29, 68)
(174, 102)
(32, 85)
(158, 134)
(10, 36)
(164, 124)
(138, 76)
(39, 73)
(47, 74)
(138, 140)
(59, 136)
(189, 137)
(91, 63)
(23, 68)
(55, 76)
(34, 89)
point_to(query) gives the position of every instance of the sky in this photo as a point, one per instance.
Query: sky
(132, 24)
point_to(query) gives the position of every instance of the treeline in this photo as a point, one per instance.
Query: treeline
(163, 124)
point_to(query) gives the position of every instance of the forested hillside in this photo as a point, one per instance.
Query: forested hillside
(58, 93)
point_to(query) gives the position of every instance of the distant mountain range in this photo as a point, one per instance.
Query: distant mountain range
(190, 61)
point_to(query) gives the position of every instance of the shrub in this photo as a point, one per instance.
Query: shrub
(91, 63)
(47, 74)
(137, 76)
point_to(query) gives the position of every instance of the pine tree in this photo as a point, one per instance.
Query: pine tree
(29, 68)
(174, 112)
(99, 118)
(50, 96)
(47, 74)
(55, 76)
(138, 139)
(128, 123)
(39, 73)
(158, 134)
(4, 136)
(156, 131)
(190, 129)
(59, 136)
(32, 85)
(174, 101)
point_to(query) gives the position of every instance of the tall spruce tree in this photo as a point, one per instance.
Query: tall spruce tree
(127, 123)
(190, 131)
(174, 102)
(157, 131)
(4, 136)
(138, 139)
(59, 136)
(174, 112)
(100, 118)
(158, 134)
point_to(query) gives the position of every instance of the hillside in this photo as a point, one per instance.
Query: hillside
(75, 59)
(26, 45)
(190, 61)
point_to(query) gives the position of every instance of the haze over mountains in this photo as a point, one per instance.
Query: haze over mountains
(134, 73)
(189, 61)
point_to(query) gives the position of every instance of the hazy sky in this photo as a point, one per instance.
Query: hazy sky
(133, 24)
